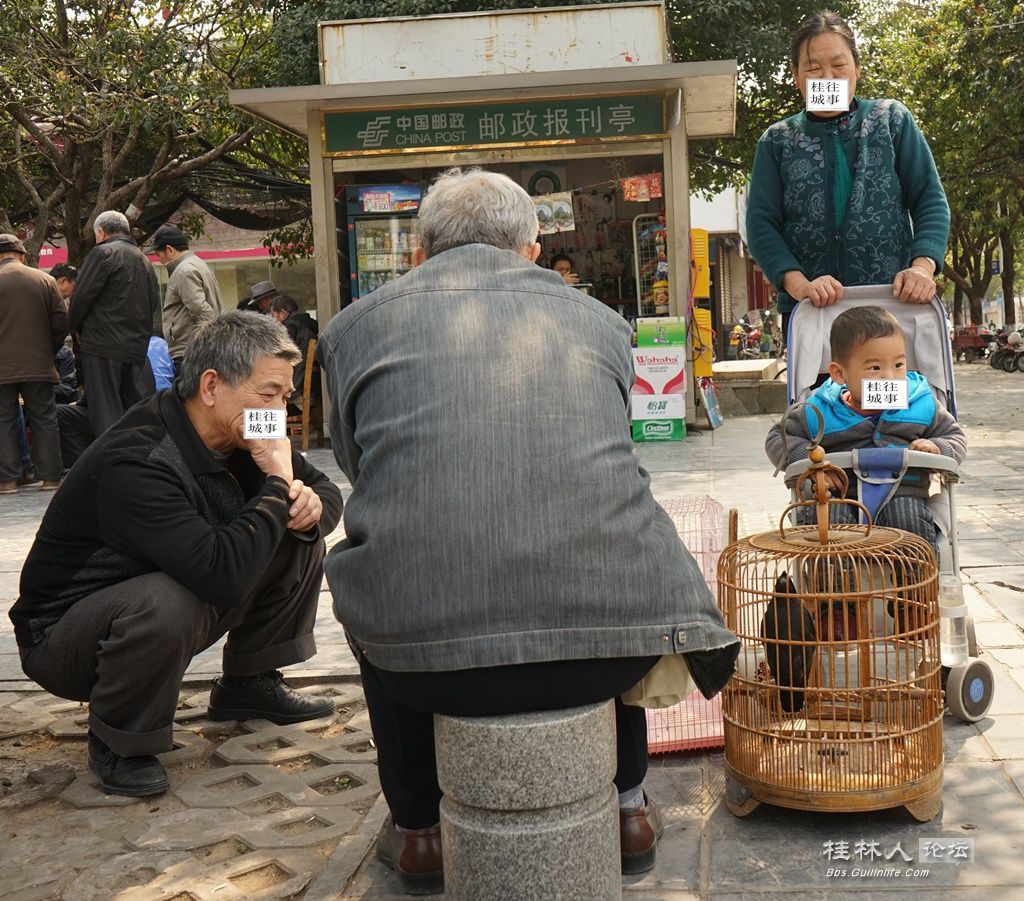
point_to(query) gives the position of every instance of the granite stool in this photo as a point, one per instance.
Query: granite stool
(529, 808)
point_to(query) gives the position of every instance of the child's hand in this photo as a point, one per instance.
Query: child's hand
(923, 444)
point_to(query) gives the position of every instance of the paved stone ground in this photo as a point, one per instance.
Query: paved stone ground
(257, 811)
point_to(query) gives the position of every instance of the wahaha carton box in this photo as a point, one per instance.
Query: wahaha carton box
(658, 396)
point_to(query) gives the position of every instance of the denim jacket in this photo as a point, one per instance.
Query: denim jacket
(498, 515)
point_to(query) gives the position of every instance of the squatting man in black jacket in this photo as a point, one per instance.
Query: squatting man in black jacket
(170, 531)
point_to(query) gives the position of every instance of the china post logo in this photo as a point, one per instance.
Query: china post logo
(376, 131)
(652, 429)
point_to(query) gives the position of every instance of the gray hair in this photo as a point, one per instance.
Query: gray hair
(476, 207)
(232, 345)
(113, 223)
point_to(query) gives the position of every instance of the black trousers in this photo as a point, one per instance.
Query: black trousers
(41, 417)
(112, 387)
(125, 648)
(402, 707)
(75, 428)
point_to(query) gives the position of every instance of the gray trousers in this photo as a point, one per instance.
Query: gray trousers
(125, 648)
(907, 512)
(41, 418)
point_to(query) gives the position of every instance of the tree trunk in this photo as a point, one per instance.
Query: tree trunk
(977, 316)
(958, 292)
(73, 229)
(75, 243)
(1008, 276)
(980, 267)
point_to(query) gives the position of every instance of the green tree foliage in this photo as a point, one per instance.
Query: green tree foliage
(104, 101)
(959, 65)
(757, 34)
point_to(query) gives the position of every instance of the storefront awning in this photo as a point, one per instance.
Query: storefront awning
(708, 90)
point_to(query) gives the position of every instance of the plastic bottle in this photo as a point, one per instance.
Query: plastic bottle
(953, 621)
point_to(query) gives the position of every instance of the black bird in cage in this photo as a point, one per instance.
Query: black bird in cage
(786, 621)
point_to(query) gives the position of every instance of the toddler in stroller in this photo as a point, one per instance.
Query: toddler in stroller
(902, 464)
(867, 342)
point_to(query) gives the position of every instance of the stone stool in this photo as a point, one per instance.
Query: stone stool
(529, 808)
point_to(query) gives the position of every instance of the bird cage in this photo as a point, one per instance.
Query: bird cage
(836, 704)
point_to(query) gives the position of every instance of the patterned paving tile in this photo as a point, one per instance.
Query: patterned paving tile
(33, 712)
(266, 875)
(236, 786)
(279, 744)
(295, 827)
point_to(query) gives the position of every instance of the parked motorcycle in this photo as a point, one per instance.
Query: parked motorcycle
(1009, 354)
(750, 348)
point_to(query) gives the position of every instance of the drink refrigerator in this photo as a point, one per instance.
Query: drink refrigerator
(382, 233)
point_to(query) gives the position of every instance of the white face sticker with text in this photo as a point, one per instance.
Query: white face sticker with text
(883, 394)
(826, 95)
(263, 423)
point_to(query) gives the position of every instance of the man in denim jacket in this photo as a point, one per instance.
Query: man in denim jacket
(504, 552)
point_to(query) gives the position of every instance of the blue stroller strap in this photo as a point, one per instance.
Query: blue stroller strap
(879, 471)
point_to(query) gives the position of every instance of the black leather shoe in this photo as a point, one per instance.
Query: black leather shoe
(132, 776)
(264, 697)
(639, 831)
(415, 856)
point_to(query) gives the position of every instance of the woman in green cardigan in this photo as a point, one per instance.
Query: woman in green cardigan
(846, 197)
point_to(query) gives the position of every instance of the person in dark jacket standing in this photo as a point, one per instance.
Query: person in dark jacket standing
(112, 310)
(171, 530)
(33, 326)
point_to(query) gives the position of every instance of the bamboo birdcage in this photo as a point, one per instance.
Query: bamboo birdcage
(836, 704)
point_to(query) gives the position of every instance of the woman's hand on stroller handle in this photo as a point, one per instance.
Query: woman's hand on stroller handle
(822, 291)
(916, 284)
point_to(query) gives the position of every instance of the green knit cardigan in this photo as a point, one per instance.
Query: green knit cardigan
(897, 209)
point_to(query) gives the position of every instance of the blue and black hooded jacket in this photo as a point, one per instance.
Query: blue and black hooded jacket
(846, 429)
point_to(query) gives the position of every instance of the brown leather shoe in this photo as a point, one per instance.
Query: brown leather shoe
(639, 831)
(415, 856)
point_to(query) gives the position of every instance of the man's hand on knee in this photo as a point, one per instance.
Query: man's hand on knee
(305, 509)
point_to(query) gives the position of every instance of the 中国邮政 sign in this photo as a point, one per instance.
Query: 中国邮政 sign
(522, 124)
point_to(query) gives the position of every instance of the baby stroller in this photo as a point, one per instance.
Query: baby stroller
(967, 680)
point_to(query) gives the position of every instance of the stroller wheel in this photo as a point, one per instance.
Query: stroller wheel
(969, 688)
